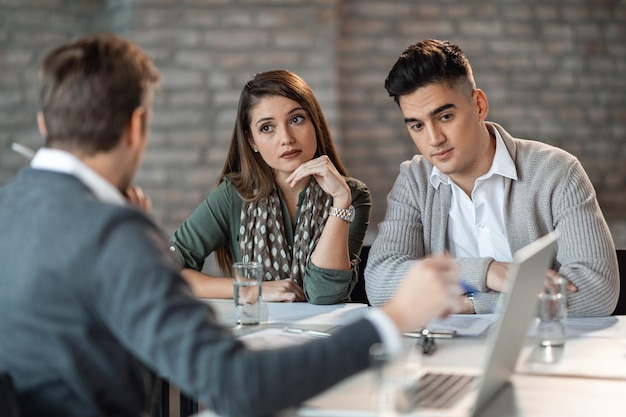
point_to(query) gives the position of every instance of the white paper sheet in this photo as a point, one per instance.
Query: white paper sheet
(472, 325)
(272, 338)
(600, 327)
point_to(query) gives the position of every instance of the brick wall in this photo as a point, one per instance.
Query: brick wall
(553, 71)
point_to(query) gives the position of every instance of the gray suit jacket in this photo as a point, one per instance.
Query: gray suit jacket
(552, 193)
(92, 307)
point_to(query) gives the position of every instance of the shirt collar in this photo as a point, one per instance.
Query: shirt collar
(57, 160)
(502, 165)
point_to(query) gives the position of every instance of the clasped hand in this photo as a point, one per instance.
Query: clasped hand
(284, 290)
(497, 273)
(326, 175)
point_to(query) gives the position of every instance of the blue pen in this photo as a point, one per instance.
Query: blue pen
(474, 293)
(468, 288)
(470, 292)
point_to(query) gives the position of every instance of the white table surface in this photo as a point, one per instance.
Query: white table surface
(588, 380)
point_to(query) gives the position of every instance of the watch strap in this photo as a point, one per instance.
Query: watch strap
(346, 214)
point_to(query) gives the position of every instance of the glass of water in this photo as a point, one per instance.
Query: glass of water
(552, 310)
(247, 295)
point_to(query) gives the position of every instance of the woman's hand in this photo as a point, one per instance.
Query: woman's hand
(327, 176)
(282, 290)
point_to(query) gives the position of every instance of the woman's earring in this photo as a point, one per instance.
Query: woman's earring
(256, 150)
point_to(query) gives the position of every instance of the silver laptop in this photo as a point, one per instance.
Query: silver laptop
(476, 385)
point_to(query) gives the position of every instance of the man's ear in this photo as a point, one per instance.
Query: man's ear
(137, 128)
(41, 124)
(482, 104)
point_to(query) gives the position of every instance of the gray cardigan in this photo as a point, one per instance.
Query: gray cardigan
(92, 307)
(552, 193)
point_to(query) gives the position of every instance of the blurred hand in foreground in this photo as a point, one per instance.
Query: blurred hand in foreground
(429, 291)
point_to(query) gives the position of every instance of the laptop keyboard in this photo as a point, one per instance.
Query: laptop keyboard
(435, 390)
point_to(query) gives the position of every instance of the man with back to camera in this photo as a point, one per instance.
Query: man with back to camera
(480, 194)
(92, 306)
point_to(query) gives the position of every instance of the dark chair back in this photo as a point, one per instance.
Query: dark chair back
(8, 398)
(358, 294)
(620, 309)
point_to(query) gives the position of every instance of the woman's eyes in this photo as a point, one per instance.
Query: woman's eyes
(268, 128)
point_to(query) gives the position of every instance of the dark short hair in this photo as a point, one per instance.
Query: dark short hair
(89, 89)
(428, 62)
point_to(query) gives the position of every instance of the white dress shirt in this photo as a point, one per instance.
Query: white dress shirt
(57, 160)
(476, 225)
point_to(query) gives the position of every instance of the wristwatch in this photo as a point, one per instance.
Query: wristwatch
(470, 297)
(346, 214)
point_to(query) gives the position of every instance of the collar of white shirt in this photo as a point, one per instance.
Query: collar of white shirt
(56, 160)
(502, 165)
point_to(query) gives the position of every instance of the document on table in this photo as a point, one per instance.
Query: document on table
(593, 327)
(274, 337)
(336, 314)
(294, 323)
(478, 324)
(272, 313)
(472, 325)
(601, 327)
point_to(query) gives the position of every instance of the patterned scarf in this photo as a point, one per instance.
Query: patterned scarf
(262, 233)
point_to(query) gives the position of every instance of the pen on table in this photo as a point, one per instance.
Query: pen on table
(426, 333)
(435, 334)
(309, 332)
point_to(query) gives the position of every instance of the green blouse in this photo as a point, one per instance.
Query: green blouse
(215, 223)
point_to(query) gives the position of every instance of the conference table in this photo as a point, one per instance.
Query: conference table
(587, 377)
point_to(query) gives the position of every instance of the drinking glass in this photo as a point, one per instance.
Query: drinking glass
(247, 292)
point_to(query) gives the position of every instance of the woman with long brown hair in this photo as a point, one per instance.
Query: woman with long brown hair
(283, 199)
